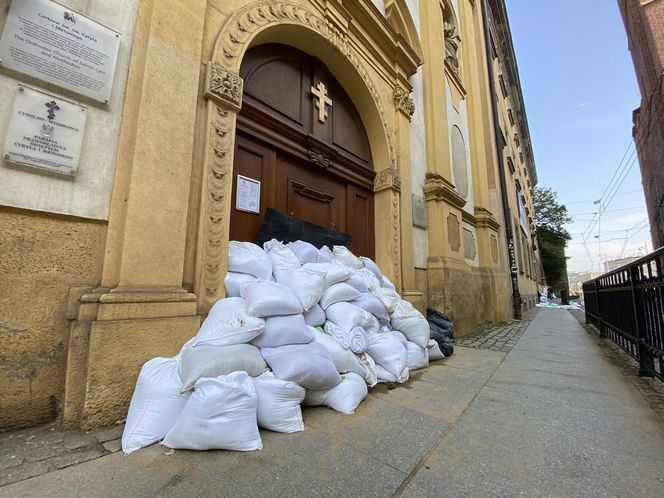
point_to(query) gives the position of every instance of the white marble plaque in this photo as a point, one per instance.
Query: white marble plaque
(248, 194)
(45, 131)
(45, 40)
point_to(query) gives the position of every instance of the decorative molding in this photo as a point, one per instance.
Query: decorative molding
(318, 159)
(387, 178)
(403, 102)
(437, 188)
(484, 219)
(223, 86)
(396, 237)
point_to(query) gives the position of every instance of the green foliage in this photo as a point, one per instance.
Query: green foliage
(550, 218)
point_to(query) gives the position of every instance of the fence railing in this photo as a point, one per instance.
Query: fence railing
(627, 306)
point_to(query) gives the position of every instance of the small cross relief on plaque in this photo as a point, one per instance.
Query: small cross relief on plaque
(320, 92)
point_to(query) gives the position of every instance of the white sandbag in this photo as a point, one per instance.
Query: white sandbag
(315, 316)
(417, 357)
(355, 339)
(370, 375)
(344, 359)
(333, 272)
(389, 297)
(343, 255)
(308, 365)
(357, 282)
(219, 415)
(385, 376)
(229, 323)
(386, 283)
(372, 267)
(388, 352)
(283, 259)
(307, 285)
(155, 405)
(434, 351)
(343, 398)
(279, 404)
(213, 361)
(245, 257)
(368, 302)
(234, 282)
(337, 293)
(324, 255)
(266, 298)
(348, 316)
(283, 330)
(369, 278)
(411, 323)
(305, 252)
(400, 336)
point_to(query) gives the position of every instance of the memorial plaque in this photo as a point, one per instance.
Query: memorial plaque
(45, 131)
(419, 212)
(50, 42)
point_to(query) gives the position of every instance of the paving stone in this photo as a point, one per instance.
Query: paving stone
(76, 457)
(25, 471)
(108, 433)
(9, 460)
(113, 446)
(75, 439)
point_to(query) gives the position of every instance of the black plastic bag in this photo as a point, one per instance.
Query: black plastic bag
(441, 320)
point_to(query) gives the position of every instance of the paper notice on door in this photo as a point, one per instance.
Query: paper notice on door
(248, 195)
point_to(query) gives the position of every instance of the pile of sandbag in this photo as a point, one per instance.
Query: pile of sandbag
(299, 325)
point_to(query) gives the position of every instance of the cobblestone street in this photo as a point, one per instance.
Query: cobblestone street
(500, 336)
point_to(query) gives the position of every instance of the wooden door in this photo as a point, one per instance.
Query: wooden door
(316, 171)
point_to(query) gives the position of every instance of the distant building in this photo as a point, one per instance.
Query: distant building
(617, 263)
(644, 23)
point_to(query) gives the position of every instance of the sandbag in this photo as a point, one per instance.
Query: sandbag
(315, 316)
(155, 405)
(344, 256)
(347, 316)
(385, 376)
(307, 285)
(369, 278)
(343, 398)
(233, 283)
(283, 259)
(279, 404)
(434, 351)
(305, 252)
(308, 365)
(372, 267)
(389, 297)
(355, 339)
(219, 415)
(324, 255)
(283, 330)
(388, 352)
(417, 357)
(245, 257)
(369, 302)
(411, 323)
(370, 376)
(213, 361)
(333, 272)
(400, 336)
(337, 293)
(356, 281)
(229, 323)
(344, 359)
(265, 298)
(386, 283)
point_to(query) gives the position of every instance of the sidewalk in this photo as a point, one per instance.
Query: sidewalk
(553, 417)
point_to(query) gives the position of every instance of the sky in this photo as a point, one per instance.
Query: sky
(580, 89)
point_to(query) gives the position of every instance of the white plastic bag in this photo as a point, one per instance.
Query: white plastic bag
(355, 339)
(343, 398)
(307, 285)
(417, 357)
(308, 365)
(245, 257)
(305, 252)
(333, 272)
(213, 361)
(369, 302)
(388, 352)
(279, 404)
(434, 351)
(283, 259)
(234, 282)
(283, 330)
(344, 359)
(343, 255)
(315, 316)
(155, 405)
(337, 293)
(219, 415)
(228, 323)
(411, 323)
(265, 298)
(347, 316)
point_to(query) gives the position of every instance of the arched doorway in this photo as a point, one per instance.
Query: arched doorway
(300, 136)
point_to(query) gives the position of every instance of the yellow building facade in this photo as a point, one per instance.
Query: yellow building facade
(120, 263)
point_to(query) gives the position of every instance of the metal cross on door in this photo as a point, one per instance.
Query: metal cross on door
(320, 92)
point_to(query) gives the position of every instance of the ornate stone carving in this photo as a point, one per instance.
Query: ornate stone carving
(223, 86)
(396, 238)
(319, 159)
(437, 188)
(403, 102)
(387, 178)
(452, 42)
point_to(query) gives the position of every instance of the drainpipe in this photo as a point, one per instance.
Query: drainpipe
(509, 232)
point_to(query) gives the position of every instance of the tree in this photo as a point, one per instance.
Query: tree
(550, 219)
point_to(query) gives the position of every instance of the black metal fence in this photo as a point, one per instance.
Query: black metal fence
(627, 306)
